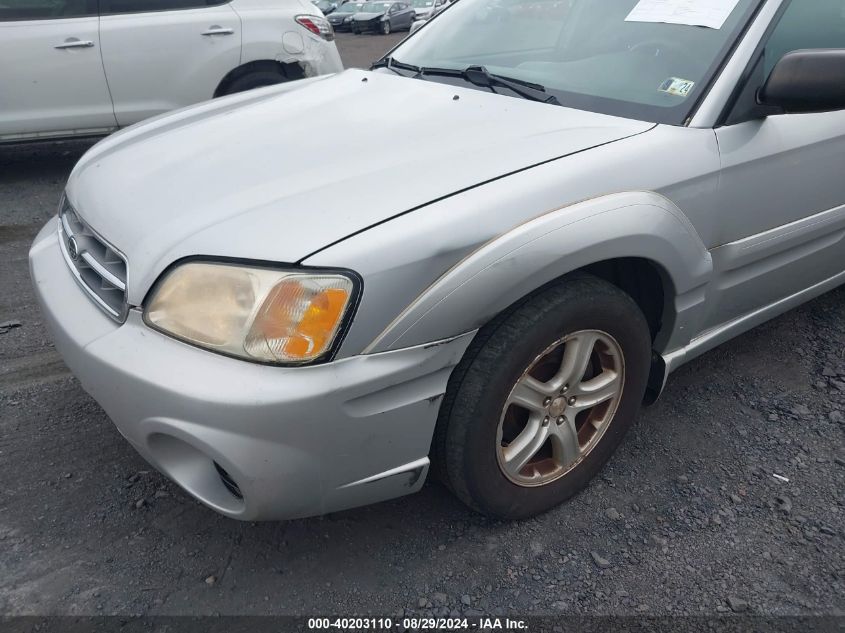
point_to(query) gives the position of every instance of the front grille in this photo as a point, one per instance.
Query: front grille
(98, 267)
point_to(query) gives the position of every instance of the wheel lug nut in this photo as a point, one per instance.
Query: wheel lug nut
(547, 402)
(565, 389)
(546, 421)
(571, 401)
(561, 420)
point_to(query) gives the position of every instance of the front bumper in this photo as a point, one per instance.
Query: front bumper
(365, 27)
(318, 58)
(296, 441)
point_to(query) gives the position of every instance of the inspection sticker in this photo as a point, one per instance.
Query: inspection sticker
(708, 13)
(677, 87)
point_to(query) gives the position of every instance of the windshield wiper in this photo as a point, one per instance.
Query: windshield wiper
(477, 76)
(480, 76)
(395, 66)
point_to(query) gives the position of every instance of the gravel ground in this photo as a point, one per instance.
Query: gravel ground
(688, 517)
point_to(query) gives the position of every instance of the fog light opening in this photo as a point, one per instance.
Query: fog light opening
(227, 480)
(197, 472)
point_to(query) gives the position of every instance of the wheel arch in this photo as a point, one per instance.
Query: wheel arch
(637, 241)
(287, 70)
(651, 287)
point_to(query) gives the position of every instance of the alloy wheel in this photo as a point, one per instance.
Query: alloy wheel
(560, 408)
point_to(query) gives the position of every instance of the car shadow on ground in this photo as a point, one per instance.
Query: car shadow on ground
(50, 160)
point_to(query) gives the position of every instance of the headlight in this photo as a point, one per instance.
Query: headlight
(262, 314)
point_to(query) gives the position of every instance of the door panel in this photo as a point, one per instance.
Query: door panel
(48, 90)
(162, 60)
(782, 184)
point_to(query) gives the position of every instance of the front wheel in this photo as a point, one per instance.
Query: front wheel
(255, 79)
(385, 27)
(543, 397)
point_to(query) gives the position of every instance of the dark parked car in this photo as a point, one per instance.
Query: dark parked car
(341, 18)
(326, 6)
(383, 17)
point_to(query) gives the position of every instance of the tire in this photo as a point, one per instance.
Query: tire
(254, 79)
(385, 27)
(478, 432)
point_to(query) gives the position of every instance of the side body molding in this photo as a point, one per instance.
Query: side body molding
(631, 224)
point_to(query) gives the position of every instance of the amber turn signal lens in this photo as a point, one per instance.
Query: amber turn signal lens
(299, 319)
(318, 324)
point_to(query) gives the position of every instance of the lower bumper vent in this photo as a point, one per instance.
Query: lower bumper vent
(227, 480)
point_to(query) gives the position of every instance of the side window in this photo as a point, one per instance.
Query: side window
(109, 7)
(15, 10)
(815, 24)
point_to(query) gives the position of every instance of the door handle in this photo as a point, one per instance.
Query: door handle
(218, 30)
(73, 42)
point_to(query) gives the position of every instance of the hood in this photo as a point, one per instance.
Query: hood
(363, 17)
(259, 176)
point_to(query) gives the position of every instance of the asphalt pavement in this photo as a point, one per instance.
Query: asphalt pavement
(689, 517)
(359, 51)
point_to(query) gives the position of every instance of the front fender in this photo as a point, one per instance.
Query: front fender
(632, 224)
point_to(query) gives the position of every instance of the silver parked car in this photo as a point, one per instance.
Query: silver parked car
(383, 17)
(614, 187)
(424, 9)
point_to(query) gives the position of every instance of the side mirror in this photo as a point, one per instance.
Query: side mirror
(807, 81)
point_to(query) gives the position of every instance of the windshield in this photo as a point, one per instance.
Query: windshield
(350, 7)
(620, 57)
(375, 7)
(422, 4)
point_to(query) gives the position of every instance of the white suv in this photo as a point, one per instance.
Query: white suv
(87, 67)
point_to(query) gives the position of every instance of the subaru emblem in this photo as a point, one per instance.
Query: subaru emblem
(72, 248)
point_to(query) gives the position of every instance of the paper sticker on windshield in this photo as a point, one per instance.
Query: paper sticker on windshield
(677, 87)
(710, 13)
